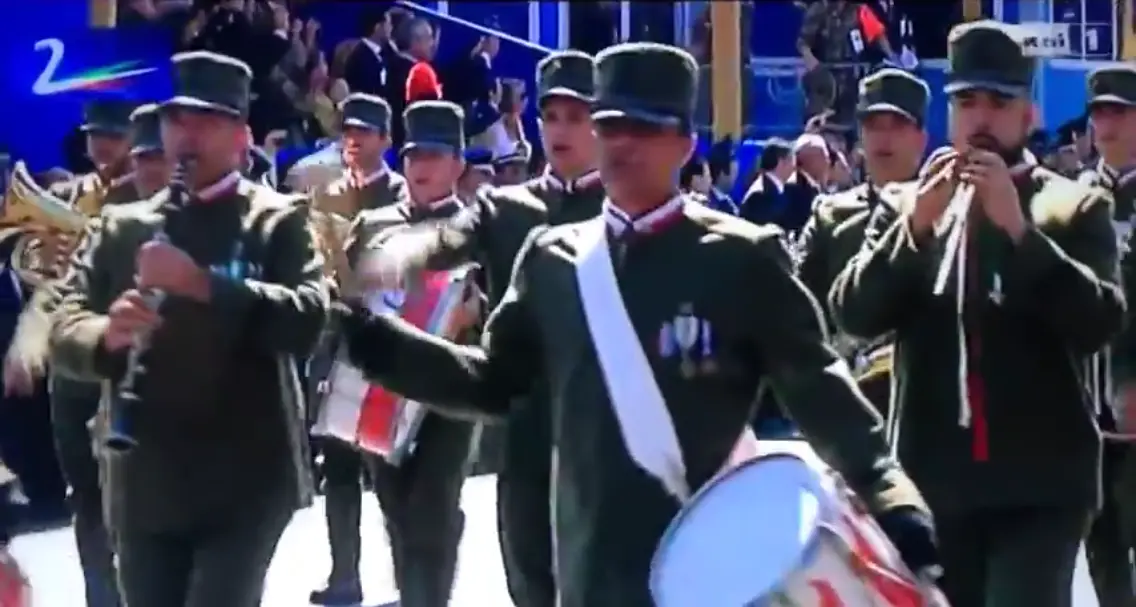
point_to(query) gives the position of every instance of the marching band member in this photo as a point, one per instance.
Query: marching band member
(150, 166)
(1112, 110)
(367, 183)
(198, 506)
(420, 496)
(891, 110)
(999, 434)
(73, 403)
(491, 233)
(596, 321)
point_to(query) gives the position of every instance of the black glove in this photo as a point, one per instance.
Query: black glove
(913, 534)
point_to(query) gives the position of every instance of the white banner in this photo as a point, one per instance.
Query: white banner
(1044, 39)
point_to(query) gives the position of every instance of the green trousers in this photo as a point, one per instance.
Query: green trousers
(1014, 557)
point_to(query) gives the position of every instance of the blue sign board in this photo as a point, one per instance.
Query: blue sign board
(54, 63)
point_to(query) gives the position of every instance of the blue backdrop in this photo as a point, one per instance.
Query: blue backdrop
(54, 63)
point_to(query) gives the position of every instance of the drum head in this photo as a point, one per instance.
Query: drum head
(740, 537)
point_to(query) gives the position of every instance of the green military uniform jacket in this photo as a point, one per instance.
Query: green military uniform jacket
(1123, 190)
(1035, 311)
(219, 426)
(343, 199)
(608, 514)
(490, 234)
(830, 238)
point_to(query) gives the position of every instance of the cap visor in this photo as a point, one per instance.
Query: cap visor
(359, 124)
(145, 148)
(104, 129)
(651, 118)
(201, 105)
(563, 92)
(1111, 100)
(886, 108)
(1009, 90)
(427, 146)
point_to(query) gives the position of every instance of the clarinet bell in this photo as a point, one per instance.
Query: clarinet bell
(120, 429)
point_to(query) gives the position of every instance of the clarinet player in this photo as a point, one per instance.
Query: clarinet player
(198, 505)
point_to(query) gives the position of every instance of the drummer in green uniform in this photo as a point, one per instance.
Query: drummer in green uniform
(994, 422)
(891, 110)
(1112, 111)
(490, 233)
(197, 507)
(674, 266)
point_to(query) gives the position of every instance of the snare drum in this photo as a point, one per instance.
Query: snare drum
(779, 529)
(367, 415)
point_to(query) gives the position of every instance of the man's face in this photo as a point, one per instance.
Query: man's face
(107, 149)
(512, 173)
(814, 162)
(1114, 127)
(152, 169)
(566, 127)
(785, 167)
(209, 138)
(472, 181)
(422, 41)
(892, 145)
(989, 119)
(363, 148)
(636, 158)
(430, 173)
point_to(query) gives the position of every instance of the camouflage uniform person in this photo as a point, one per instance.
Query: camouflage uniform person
(891, 110)
(831, 43)
(609, 514)
(1112, 110)
(994, 422)
(198, 506)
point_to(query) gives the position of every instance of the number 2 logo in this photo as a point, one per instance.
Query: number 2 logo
(47, 84)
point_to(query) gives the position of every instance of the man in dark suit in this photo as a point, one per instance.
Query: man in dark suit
(413, 42)
(367, 65)
(765, 199)
(812, 158)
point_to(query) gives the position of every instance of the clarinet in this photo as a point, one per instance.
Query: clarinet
(121, 411)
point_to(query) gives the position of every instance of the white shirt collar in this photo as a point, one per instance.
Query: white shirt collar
(488, 60)
(618, 221)
(371, 177)
(777, 183)
(375, 47)
(573, 185)
(223, 185)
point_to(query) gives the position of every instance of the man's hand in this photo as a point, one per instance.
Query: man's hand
(1126, 408)
(995, 190)
(20, 377)
(129, 315)
(936, 188)
(168, 268)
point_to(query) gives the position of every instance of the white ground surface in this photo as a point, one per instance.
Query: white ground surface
(302, 561)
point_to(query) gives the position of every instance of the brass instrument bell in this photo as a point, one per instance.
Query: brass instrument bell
(40, 224)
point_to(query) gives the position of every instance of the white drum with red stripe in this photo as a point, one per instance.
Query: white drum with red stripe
(367, 415)
(779, 530)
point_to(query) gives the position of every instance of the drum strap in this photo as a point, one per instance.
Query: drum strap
(640, 409)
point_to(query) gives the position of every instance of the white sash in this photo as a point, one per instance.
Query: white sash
(644, 421)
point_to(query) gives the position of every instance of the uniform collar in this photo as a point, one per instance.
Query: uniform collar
(419, 209)
(651, 222)
(369, 179)
(120, 180)
(1115, 176)
(219, 189)
(572, 185)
